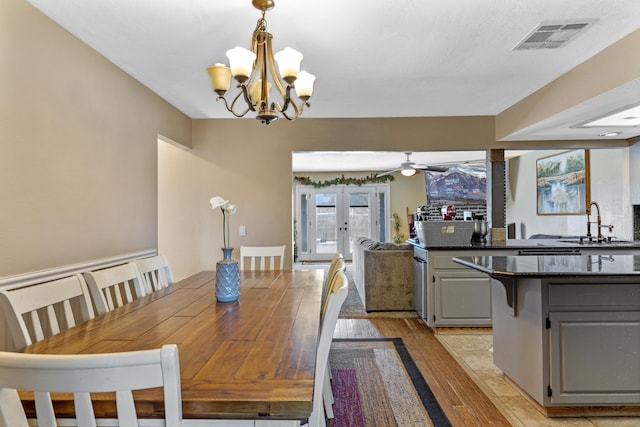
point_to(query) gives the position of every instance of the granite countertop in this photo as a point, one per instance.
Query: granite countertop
(554, 265)
(559, 245)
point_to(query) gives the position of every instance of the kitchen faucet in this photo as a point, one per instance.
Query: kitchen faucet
(599, 237)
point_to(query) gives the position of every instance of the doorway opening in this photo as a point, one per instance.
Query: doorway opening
(330, 219)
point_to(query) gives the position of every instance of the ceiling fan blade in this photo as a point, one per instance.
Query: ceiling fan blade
(475, 162)
(388, 172)
(431, 168)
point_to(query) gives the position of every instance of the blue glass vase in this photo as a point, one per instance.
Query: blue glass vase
(227, 277)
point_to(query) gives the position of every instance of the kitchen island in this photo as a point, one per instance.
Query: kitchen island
(566, 328)
(447, 294)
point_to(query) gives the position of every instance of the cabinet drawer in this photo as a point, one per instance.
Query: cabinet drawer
(444, 262)
(594, 294)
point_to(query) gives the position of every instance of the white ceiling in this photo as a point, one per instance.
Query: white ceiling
(372, 58)
(382, 161)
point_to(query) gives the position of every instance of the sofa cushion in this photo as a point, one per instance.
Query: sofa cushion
(391, 246)
(374, 245)
(383, 274)
(367, 243)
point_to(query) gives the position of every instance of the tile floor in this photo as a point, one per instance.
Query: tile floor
(473, 349)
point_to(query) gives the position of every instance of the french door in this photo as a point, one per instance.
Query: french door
(329, 219)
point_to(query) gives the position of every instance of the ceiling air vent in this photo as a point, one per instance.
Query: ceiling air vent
(553, 34)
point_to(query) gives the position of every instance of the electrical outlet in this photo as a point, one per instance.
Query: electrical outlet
(243, 230)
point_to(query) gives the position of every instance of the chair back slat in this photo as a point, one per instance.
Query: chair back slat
(117, 289)
(155, 272)
(126, 407)
(83, 374)
(44, 309)
(68, 311)
(115, 286)
(36, 324)
(53, 320)
(44, 410)
(84, 409)
(261, 256)
(11, 410)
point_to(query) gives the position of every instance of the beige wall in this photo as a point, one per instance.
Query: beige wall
(187, 227)
(256, 176)
(407, 193)
(78, 170)
(252, 162)
(78, 159)
(609, 179)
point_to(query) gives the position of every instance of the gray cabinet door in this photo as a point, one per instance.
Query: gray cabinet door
(595, 357)
(462, 298)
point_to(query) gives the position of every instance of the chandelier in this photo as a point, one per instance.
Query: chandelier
(252, 68)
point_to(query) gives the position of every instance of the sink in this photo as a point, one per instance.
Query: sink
(606, 242)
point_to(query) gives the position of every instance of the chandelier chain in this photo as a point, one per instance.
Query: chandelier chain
(261, 26)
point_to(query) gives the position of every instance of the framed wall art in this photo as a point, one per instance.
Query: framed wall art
(562, 182)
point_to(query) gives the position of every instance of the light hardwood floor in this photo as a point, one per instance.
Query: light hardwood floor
(457, 364)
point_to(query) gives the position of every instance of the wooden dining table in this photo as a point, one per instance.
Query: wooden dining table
(251, 359)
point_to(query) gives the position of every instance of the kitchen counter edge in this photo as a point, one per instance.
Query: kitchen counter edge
(535, 244)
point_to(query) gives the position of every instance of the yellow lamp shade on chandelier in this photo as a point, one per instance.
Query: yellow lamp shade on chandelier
(255, 72)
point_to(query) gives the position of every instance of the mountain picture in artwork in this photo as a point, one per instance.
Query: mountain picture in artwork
(458, 186)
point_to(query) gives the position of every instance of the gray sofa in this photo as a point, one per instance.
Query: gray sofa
(383, 275)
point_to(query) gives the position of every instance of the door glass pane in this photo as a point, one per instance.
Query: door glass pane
(304, 221)
(359, 221)
(382, 218)
(326, 223)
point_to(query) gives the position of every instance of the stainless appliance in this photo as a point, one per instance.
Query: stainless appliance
(480, 230)
(420, 282)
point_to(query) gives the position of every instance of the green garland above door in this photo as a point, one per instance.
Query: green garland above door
(371, 179)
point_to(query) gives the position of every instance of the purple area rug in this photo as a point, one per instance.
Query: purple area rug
(375, 382)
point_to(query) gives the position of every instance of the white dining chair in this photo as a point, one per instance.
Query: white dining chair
(155, 272)
(82, 374)
(336, 296)
(44, 309)
(337, 264)
(260, 256)
(114, 286)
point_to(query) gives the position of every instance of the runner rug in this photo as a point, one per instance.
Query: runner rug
(376, 383)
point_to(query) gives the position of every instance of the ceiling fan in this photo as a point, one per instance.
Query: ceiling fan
(409, 168)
